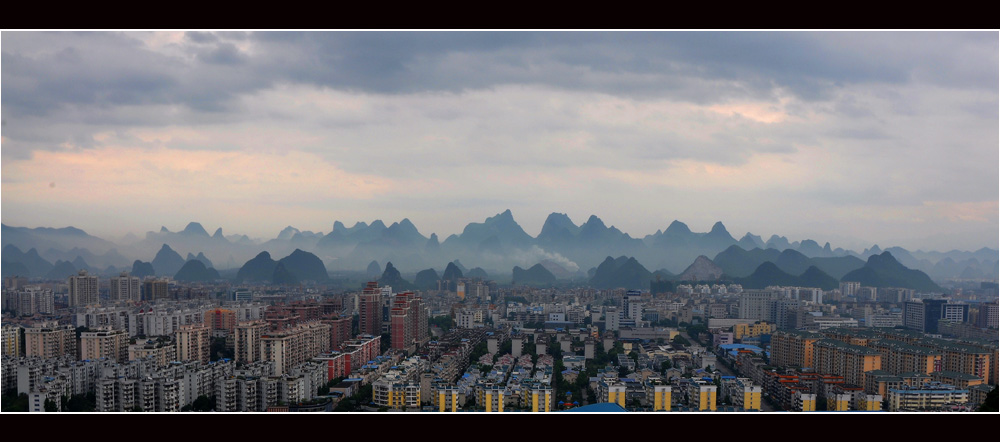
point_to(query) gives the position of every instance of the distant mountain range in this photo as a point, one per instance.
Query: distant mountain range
(497, 244)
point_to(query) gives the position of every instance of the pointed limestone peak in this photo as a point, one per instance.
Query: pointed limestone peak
(594, 221)
(194, 228)
(718, 227)
(677, 227)
(287, 233)
(218, 233)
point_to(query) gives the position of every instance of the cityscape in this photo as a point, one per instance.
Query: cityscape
(373, 200)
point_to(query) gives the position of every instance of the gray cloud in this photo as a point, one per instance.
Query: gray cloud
(892, 118)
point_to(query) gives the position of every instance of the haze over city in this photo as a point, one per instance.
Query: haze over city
(855, 138)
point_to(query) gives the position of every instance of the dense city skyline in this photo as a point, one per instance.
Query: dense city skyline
(855, 138)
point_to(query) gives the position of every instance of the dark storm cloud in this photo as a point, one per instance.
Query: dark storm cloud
(702, 67)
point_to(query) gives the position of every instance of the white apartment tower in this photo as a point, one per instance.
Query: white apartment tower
(125, 288)
(84, 290)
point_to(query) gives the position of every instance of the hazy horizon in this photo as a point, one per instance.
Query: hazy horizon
(852, 138)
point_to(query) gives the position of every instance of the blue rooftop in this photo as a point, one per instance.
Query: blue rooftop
(606, 407)
(752, 348)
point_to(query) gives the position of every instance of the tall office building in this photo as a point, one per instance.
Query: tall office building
(125, 288)
(84, 290)
(924, 315)
(632, 305)
(370, 310)
(758, 304)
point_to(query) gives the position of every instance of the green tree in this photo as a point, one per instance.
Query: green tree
(991, 402)
(445, 322)
(203, 403)
(18, 403)
(81, 402)
(50, 406)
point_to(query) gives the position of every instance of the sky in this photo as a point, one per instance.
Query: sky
(856, 138)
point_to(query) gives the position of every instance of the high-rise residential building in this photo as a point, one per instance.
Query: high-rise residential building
(340, 330)
(49, 340)
(153, 289)
(370, 310)
(850, 361)
(849, 288)
(793, 348)
(34, 299)
(162, 350)
(10, 341)
(219, 319)
(899, 357)
(408, 321)
(248, 340)
(988, 317)
(125, 288)
(612, 318)
(295, 345)
(193, 343)
(84, 290)
(107, 344)
(401, 324)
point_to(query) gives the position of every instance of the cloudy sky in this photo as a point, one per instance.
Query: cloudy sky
(849, 137)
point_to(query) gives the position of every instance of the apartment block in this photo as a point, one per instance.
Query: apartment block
(247, 346)
(370, 310)
(793, 348)
(125, 288)
(84, 290)
(293, 346)
(50, 341)
(928, 397)
(193, 343)
(850, 361)
(899, 357)
(107, 344)
(752, 330)
(10, 340)
(161, 350)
